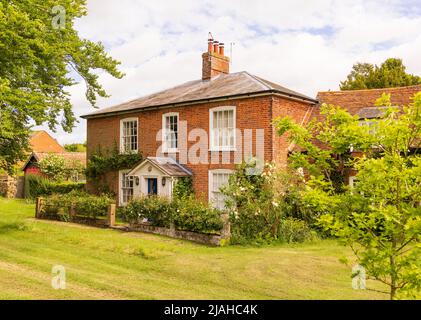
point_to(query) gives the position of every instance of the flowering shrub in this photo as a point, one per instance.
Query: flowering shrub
(258, 208)
(185, 213)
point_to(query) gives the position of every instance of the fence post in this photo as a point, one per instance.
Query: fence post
(72, 212)
(226, 229)
(111, 215)
(38, 205)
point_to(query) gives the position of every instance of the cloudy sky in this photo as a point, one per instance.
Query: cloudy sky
(307, 46)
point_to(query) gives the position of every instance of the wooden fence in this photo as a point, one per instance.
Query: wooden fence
(40, 207)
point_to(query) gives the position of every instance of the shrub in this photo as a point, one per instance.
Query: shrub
(92, 206)
(193, 215)
(183, 188)
(186, 214)
(38, 186)
(157, 210)
(294, 230)
(263, 205)
(58, 206)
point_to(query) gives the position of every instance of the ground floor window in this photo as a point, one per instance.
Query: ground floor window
(352, 181)
(127, 187)
(217, 179)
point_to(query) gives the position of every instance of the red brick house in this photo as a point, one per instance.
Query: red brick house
(362, 103)
(201, 128)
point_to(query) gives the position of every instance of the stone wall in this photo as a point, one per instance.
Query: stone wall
(8, 186)
(208, 239)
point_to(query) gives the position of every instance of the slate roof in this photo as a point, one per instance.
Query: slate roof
(371, 112)
(166, 164)
(222, 86)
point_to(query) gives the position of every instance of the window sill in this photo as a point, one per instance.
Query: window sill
(129, 152)
(170, 151)
(222, 149)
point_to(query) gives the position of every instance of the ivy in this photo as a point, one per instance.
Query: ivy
(183, 188)
(101, 163)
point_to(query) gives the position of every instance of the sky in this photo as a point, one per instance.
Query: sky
(307, 46)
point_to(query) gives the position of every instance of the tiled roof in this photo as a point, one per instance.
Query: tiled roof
(79, 156)
(68, 156)
(355, 100)
(42, 141)
(222, 86)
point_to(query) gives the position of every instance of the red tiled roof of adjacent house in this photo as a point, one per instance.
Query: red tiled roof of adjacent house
(355, 100)
(41, 141)
(221, 86)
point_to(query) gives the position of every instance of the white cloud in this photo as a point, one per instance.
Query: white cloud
(304, 45)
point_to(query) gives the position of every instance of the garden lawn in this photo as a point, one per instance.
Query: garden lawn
(110, 264)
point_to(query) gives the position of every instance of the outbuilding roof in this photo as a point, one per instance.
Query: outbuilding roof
(68, 157)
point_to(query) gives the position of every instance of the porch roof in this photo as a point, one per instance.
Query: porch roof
(167, 165)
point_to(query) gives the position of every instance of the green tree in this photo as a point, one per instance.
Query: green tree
(391, 73)
(54, 167)
(75, 147)
(39, 52)
(380, 217)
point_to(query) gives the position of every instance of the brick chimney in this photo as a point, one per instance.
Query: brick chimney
(214, 61)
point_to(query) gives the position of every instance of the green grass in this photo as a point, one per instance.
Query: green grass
(109, 264)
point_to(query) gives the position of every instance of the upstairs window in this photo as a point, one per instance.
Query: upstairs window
(128, 135)
(222, 129)
(170, 132)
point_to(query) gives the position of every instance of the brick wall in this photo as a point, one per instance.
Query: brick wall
(251, 113)
(300, 112)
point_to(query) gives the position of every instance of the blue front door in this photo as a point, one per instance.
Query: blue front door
(152, 186)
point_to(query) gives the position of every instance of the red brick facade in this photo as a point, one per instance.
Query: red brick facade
(251, 113)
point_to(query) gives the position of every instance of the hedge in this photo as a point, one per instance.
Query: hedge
(186, 214)
(38, 186)
(58, 206)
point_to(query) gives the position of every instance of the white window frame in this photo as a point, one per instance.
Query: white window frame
(210, 181)
(122, 147)
(351, 181)
(165, 147)
(211, 130)
(120, 186)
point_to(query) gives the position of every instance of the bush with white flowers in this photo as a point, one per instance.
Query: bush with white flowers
(258, 208)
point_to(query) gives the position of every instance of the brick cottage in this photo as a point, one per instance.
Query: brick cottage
(203, 129)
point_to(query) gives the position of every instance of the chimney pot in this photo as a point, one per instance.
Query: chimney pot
(221, 49)
(210, 45)
(215, 46)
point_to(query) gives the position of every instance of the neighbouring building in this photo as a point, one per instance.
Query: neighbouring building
(73, 160)
(202, 128)
(362, 103)
(41, 141)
